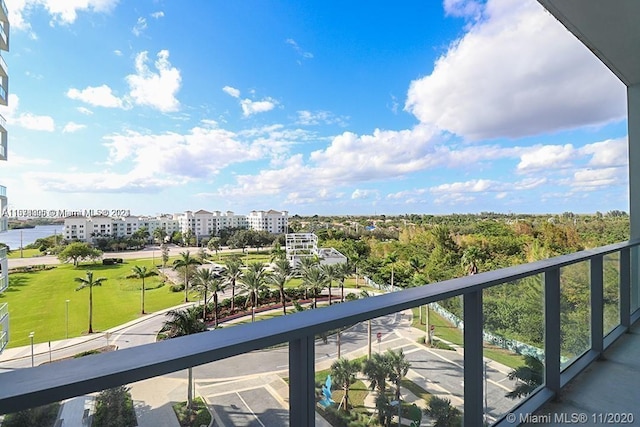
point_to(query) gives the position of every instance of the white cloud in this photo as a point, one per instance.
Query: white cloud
(26, 120)
(359, 194)
(250, 107)
(546, 157)
(117, 52)
(73, 127)
(301, 52)
(516, 72)
(141, 25)
(612, 152)
(100, 96)
(311, 118)
(463, 8)
(62, 11)
(592, 179)
(231, 91)
(85, 111)
(155, 90)
(157, 15)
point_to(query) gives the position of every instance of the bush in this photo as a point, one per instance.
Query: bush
(114, 408)
(351, 297)
(176, 288)
(40, 416)
(86, 353)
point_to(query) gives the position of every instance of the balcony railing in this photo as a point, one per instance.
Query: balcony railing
(4, 326)
(46, 383)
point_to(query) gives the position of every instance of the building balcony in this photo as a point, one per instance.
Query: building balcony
(474, 381)
(3, 138)
(4, 26)
(4, 326)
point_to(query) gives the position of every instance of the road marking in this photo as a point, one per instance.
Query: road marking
(250, 410)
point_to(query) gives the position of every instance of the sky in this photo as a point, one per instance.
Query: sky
(329, 108)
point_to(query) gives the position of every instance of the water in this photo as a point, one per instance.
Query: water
(29, 235)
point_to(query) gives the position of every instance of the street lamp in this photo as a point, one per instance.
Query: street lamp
(67, 319)
(31, 338)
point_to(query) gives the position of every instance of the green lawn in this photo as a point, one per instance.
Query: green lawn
(26, 253)
(37, 300)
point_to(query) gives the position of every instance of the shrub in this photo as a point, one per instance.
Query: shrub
(40, 416)
(86, 353)
(114, 408)
(176, 288)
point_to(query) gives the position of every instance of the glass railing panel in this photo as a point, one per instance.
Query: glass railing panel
(436, 372)
(513, 344)
(575, 312)
(611, 289)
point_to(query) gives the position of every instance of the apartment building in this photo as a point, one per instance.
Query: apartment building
(305, 245)
(201, 223)
(4, 98)
(271, 221)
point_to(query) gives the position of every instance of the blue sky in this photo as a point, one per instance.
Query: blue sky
(160, 106)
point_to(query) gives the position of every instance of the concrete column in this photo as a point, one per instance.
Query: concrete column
(633, 111)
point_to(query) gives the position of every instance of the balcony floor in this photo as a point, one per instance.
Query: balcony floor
(610, 386)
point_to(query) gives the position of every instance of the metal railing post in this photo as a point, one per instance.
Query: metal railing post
(625, 288)
(473, 364)
(302, 402)
(552, 329)
(597, 304)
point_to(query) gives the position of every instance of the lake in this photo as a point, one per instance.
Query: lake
(29, 235)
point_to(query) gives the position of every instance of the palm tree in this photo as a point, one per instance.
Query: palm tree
(281, 275)
(443, 412)
(232, 274)
(529, 377)
(344, 371)
(377, 369)
(470, 258)
(141, 273)
(316, 280)
(332, 273)
(89, 282)
(206, 280)
(181, 323)
(185, 261)
(399, 368)
(344, 270)
(392, 258)
(253, 281)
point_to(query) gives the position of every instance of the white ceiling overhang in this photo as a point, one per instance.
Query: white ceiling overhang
(609, 28)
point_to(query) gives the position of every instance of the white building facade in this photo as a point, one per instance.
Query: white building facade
(272, 221)
(200, 224)
(4, 100)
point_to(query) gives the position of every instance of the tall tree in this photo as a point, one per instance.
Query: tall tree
(399, 368)
(205, 280)
(181, 323)
(78, 251)
(164, 249)
(253, 280)
(332, 273)
(344, 371)
(377, 369)
(315, 280)
(214, 244)
(282, 273)
(159, 234)
(232, 274)
(89, 282)
(139, 272)
(344, 270)
(529, 377)
(187, 262)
